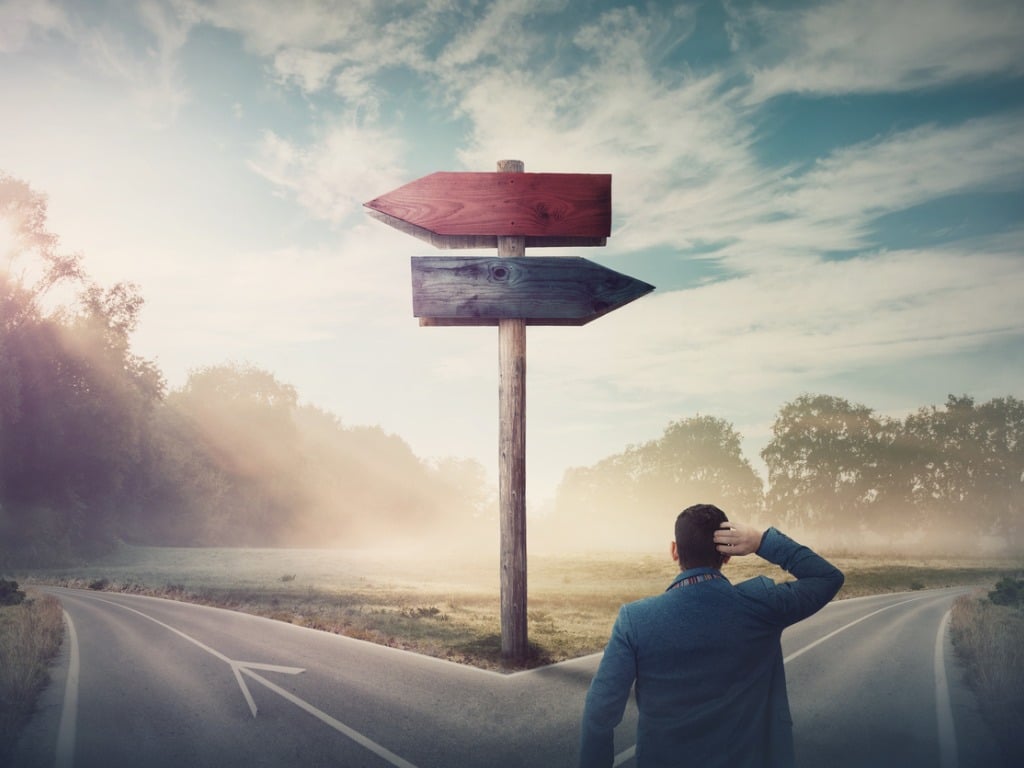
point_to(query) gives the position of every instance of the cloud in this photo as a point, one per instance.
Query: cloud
(914, 166)
(499, 35)
(347, 165)
(149, 71)
(21, 20)
(340, 44)
(832, 205)
(873, 46)
(310, 69)
(268, 26)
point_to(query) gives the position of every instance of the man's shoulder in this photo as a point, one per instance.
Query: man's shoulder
(645, 610)
(756, 591)
(643, 605)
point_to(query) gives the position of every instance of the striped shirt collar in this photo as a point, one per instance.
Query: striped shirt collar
(695, 576)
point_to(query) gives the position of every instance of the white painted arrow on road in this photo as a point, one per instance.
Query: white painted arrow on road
(237, 667)
(248, 668)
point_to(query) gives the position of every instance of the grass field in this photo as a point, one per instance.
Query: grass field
(30, 635)
(449, 607)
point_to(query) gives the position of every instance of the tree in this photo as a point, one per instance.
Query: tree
(235, 459)
(240, 419)
(966, 474)
(74, 401)
(640, 490)
(823, 464)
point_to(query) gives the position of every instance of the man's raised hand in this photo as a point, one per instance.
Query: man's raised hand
(736, 539)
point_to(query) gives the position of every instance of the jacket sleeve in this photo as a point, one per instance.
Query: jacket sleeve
(817, 580)
(607, 697)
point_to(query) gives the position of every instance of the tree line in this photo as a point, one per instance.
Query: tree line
(950, 477)
(96, 449)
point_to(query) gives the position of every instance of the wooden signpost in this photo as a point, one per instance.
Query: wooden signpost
(471, 210)
(509, 210)
(552, 290)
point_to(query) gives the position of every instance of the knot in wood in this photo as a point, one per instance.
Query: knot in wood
(500, 272)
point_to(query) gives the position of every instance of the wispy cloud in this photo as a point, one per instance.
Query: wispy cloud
(870, 46)
(832, 205)
(331, 177)
(21, 20)
(140, 58)
(914, 166)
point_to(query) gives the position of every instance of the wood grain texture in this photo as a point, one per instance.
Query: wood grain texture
(544, 205)
(542, 290)
(512, 455)
(512, 486)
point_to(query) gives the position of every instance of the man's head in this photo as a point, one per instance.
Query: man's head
(694, 546)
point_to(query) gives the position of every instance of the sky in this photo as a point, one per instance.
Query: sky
(828, 197)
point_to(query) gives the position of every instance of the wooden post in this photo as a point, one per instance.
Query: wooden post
(512, 456)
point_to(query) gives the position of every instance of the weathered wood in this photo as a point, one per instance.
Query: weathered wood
(546, 290)
(452, 242)
(512, 455)
(512, 486)
(535, 205)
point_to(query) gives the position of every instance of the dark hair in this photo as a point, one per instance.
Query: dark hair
(695, 530)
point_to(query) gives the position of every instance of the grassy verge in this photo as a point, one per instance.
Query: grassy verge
(30, 636)
(988, 640)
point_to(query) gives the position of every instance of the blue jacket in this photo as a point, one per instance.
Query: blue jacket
(706, 659)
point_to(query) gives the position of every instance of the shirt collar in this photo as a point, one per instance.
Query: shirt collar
(695, 572)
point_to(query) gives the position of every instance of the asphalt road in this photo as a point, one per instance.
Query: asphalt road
(154, 683)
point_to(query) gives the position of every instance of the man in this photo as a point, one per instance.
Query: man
(705, 655)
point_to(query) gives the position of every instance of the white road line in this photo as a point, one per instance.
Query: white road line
(236, 666)
(246, 667)
(337, 725)
(178, 632)
(835, 632)
(948, 757)
(65, 756)
(623, 756)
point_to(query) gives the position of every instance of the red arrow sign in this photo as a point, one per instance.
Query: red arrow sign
(454, 290)
(469, 210)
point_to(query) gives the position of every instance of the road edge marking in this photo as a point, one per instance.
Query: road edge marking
(66, 732)
(948, 755)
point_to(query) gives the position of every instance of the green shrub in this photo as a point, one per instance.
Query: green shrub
(9, 593)
(1009, 591)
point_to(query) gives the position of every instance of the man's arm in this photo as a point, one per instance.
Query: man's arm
(817, 582)
(607, 697)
